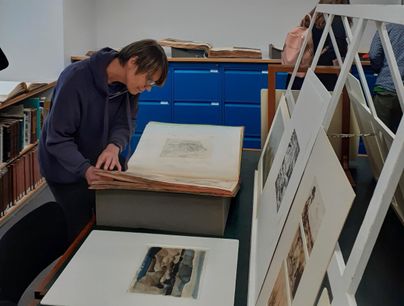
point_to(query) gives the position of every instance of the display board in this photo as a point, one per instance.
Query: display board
(124, 268)
(287, 169)
(307, 242)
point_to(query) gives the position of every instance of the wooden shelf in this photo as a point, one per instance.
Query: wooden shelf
(76, 58)
(27, 95)
(41, 184)
(224, 60)
(20, 203)
(24, 151)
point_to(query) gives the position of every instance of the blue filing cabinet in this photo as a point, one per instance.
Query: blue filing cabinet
(242, 84)
(197, 96)
(207, 92)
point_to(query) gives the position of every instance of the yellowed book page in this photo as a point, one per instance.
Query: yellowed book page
(167, 183)
(185, 44)
(188, 153)
(35, 85)
(235, 52)
(11, 89)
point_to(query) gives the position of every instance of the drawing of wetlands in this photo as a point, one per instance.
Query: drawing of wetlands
(295, 263)
(285, 172)
(170, 271)
(312, 216)
(279, 294)
(185, 148)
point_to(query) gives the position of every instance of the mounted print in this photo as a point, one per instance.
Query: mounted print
(148, 269)
(286, 171)
(169, 271)
(272, 142)
(311, 231)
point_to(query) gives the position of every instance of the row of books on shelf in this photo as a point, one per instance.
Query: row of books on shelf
(20, 126)
(18, 179)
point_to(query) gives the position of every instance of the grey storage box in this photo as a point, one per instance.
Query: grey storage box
(180, 52)
(177, 212)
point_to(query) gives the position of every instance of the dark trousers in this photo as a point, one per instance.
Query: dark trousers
(78, 204)
(388, 109)
(328, 80)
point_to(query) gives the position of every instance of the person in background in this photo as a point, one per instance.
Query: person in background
(328, 56)
(91, 122)
(386, 101)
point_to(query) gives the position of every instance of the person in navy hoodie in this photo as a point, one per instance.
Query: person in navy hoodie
(91, 121)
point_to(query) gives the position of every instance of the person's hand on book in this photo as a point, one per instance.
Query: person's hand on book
(109, 159)
(92, 176)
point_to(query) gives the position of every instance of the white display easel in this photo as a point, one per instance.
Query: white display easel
(345, 277)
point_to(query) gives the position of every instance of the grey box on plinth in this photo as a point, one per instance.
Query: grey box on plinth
(178, 212)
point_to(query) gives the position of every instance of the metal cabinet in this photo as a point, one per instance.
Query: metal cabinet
(197, 96)
(242, 84)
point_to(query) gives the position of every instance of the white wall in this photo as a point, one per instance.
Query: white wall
(79, 27)
(31, 35)
(224, 23)
(39, 36)
(254, 23)
(371, 27)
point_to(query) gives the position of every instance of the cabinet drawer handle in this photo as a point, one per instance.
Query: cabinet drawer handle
(164, 102)
(214, 103)
(214, 70)
(264, 71)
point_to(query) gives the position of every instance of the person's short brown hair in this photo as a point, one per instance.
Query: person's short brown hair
(150, 57)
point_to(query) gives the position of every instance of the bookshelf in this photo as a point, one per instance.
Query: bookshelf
(20, 203)
(27, 95)
(20, 178)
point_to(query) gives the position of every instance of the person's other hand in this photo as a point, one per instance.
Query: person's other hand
(91, 176)
(109, 159)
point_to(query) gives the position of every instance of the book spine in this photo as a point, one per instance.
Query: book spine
(2, 193)
(1, 144)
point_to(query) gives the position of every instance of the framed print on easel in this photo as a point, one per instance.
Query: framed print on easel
(287, 169)
(311, 231)
(272, 142)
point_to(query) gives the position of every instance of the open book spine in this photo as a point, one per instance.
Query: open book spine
(184, 44)
(139, 183)
(235, 52)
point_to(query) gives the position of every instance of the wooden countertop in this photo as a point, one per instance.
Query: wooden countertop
(76, 58)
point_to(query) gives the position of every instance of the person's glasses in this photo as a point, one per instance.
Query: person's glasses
(149, 81)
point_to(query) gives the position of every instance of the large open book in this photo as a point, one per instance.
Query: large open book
(11, 89)
(237, 52)
(184, 44)
(242, 52)
(183, 158)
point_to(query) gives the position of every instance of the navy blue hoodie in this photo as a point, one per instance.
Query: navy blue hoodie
(83, 120)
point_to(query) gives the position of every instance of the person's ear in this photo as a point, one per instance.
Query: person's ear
(133, 60)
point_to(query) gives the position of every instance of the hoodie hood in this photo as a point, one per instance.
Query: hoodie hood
(98, 67)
